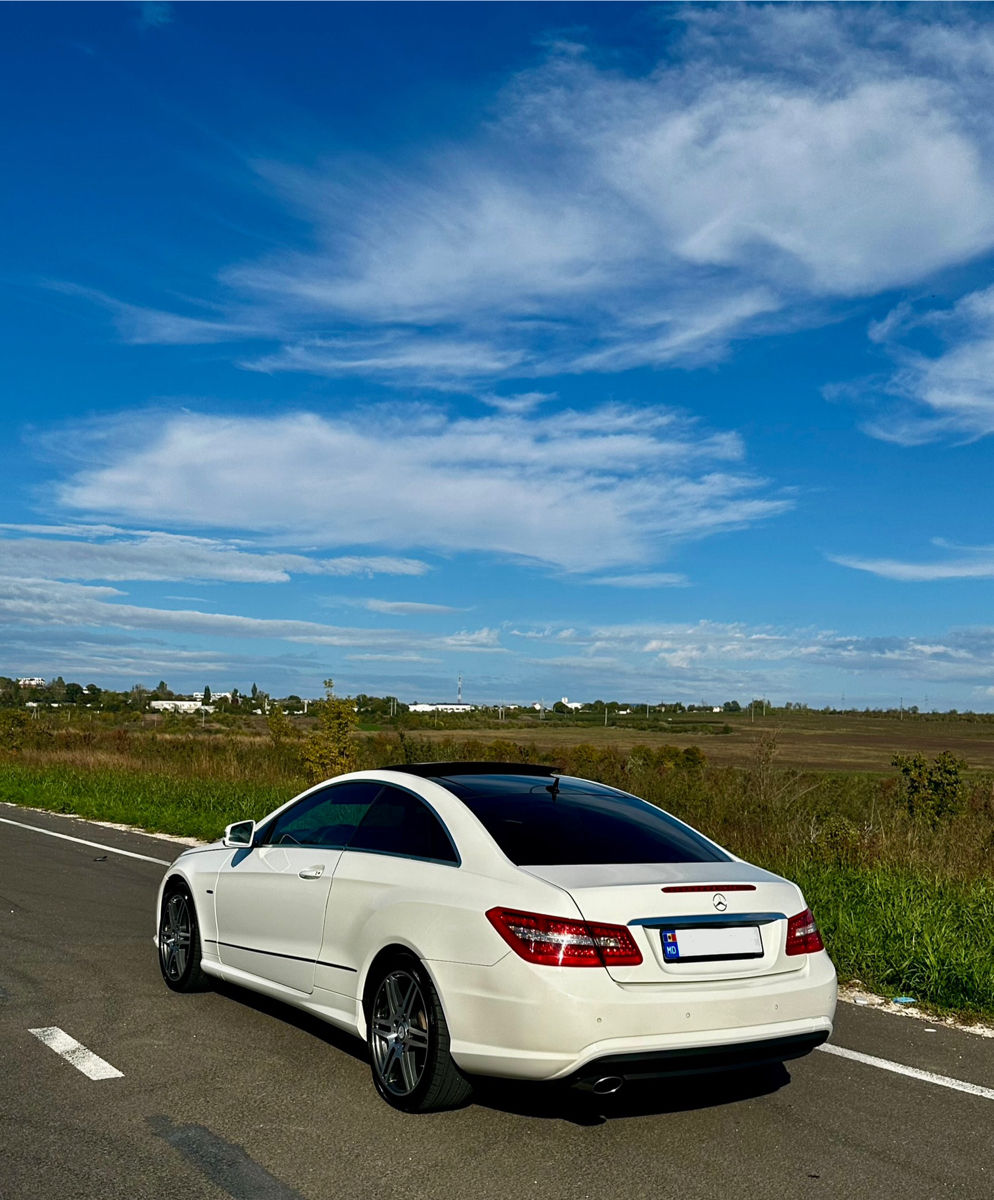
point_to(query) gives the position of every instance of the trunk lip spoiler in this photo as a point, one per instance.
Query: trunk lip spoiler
(715, 919)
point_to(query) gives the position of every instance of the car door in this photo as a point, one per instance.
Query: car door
(398, 862)
(270, 899)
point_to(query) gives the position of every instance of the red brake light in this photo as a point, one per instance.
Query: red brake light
(560, 942)
(802, 934)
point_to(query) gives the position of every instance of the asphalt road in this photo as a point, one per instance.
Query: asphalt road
(226, 1095)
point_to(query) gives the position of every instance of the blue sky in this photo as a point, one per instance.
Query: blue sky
(587, 350)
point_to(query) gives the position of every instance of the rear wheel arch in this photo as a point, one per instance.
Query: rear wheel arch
(407, 1035)
(395, 953)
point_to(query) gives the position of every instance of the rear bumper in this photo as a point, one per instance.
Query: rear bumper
(695, 1060)
(522, 1021)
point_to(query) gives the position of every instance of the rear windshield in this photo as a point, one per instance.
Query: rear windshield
(581, 823)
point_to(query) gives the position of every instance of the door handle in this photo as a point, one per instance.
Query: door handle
(311, 873)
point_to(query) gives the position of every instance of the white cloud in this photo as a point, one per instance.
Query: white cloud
(648, 579)
(973, 562)
(88, 632)
(114, 553)
(585, 491)
(48, 603)
(139, 325)
(405, 608)
(773, 160)
(949, 394)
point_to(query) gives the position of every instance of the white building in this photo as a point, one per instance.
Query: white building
(32, 681)
(449, 708)
(180, 706)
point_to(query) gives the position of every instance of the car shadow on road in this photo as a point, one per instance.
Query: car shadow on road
(553, 1101)
(643, 1098)
(296, 1017)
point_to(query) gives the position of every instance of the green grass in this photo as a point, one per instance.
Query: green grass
(906, 907)
(904, 933)
(197, 808)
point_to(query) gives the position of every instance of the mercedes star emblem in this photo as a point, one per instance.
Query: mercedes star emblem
(719, 902)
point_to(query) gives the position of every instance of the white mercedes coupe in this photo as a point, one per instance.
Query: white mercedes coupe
(489, 919)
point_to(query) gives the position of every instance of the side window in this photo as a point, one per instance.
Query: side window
(399, 823)
(324, 818)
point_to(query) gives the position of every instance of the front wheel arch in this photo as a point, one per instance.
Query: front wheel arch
(178, 936)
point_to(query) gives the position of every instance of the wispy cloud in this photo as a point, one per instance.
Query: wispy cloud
(138, 325)
(647, 579)
(613, 486)
(965, 562)
(111, 553)
(46, 602)
(940, 394)
(155, 13)
(603, 221)
(406, 608)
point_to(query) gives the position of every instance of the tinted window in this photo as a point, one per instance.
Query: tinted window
(581, 823)
(400, 823)
(327, 817)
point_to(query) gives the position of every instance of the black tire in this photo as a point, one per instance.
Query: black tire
(179, 942)
(408, 1041)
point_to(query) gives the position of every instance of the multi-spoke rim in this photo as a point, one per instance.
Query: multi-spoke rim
(399, 1033)
(175, 936)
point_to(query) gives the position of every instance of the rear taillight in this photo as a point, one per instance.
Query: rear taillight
(559, 942)
(802, 934)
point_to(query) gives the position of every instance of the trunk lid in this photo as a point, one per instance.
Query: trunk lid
(692, 921)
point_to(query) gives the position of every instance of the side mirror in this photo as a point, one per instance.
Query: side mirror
(239, 835)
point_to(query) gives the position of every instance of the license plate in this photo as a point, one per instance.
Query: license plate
(738, 941)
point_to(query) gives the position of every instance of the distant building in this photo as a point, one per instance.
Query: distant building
(32, 681)
(180, 706)
(449, 708)
(572, 705)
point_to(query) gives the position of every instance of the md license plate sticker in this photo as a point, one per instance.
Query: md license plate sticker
(739, 941)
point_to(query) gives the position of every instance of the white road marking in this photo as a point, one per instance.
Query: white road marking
(74, 1052)
(164, 862)
(884, 1064)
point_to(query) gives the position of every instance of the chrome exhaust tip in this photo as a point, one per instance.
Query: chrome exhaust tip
(608, 1085)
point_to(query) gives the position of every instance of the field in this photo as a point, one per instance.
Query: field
(805, 741)
(901, 884)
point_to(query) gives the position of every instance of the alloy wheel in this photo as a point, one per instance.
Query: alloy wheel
(399, 1038)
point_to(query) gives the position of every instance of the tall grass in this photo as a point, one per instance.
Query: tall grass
(905, 906)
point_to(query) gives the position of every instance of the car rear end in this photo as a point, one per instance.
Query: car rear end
(634, 968)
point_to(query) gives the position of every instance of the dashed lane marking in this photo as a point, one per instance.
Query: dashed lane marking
(884, 1064)
(163, 862)
(76, 1053)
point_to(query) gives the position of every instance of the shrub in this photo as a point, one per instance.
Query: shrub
(930, 790)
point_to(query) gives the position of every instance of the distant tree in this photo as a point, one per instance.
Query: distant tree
(732, 706)
(255, 693)
(138, 697)
(162, 691)
(74, 693)
(280, 727)
(331, 748)
(207, 694)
